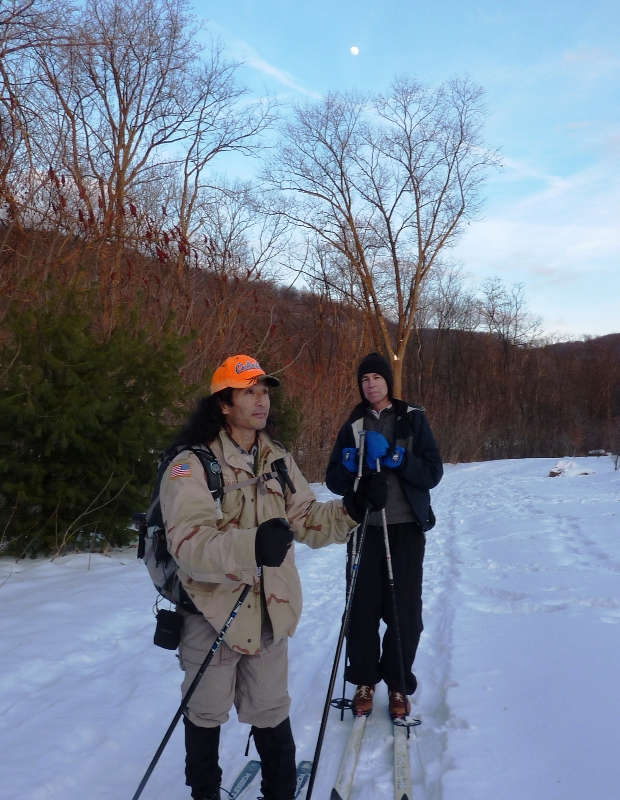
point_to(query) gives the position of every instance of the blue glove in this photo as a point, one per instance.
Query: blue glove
(350, 458)
(394, 457)
(376, 447)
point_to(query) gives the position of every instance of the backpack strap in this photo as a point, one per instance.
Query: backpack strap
(260, 480)
(212, 468)
(278, 471)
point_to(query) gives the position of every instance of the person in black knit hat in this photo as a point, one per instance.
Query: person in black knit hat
(398, 434)
(375, 364)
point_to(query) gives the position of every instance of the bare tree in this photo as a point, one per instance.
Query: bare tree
(135, 104)
(25, 27)
(235, 245)
(446, 304)
(504, 313)
(387, 183)
(21, 24)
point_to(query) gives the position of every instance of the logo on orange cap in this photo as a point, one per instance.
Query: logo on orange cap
(239, 372)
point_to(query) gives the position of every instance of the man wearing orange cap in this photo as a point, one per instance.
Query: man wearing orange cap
(244, 539)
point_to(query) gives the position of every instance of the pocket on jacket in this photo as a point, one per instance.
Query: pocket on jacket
(232, 504)
(273, 487)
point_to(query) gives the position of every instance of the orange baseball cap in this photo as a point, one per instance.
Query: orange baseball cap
(239, 372)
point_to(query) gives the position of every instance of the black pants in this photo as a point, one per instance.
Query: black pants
(369, 663)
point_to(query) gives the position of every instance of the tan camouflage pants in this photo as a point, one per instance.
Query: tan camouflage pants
(257, 685)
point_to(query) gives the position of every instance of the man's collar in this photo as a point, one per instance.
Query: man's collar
(251, 452)
(236, 456)
(377, 414)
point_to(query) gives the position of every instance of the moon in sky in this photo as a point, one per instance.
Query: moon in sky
(355, 50)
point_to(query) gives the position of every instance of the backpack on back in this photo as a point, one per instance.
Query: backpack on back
(152, 545)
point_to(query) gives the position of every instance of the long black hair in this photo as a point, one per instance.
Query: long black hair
(207, 420)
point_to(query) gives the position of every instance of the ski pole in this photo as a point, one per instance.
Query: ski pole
(344, 702)
(358, 477)
(332, 680)
(192, 689)
(399, 648)
(343, 630)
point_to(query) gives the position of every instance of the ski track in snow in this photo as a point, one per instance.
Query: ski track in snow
(517, 664)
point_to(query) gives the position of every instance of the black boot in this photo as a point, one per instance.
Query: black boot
(202, 770)
(276, 749)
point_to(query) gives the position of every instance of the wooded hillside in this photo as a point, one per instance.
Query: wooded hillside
(129, 269)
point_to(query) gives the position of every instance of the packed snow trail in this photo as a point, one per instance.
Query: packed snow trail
(517, 665)
(532, 581)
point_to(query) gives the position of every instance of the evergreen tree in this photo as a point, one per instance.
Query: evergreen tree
(82, 420)
(287, 414)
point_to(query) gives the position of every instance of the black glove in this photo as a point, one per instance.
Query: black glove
(273, 539)
(370, 494)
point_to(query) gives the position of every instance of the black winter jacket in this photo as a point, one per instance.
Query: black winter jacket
(420, 471)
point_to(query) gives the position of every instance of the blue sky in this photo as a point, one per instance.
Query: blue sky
(551, 71)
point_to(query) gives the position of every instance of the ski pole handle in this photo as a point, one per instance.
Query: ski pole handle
(361, 460)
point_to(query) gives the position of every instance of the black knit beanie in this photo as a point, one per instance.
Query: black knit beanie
(374, 362)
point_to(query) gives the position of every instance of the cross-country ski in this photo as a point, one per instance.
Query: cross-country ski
(303, 773)
(344, 781)
(247, 775)
(244, 779)
(402, 770)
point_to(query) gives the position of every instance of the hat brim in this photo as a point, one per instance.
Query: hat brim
(243, 383)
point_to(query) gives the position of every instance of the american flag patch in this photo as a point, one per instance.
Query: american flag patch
(181, 471)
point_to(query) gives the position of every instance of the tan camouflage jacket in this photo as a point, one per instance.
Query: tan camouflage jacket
(214, 549)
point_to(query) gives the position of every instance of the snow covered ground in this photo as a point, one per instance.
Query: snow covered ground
(518, 665)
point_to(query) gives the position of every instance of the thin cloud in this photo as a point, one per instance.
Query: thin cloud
(514, 169)
(242, 51)
(251, 58)
(596, 60)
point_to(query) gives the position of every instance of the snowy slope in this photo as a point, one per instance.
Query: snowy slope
(517, 666)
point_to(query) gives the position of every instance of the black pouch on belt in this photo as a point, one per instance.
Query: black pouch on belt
(168, 630)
